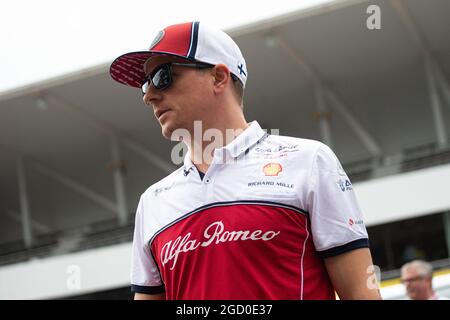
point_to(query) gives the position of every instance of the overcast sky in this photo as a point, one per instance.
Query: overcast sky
(41, 39)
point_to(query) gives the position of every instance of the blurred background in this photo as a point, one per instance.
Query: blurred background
(369, 78)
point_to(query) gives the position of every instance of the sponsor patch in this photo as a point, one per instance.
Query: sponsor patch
(159, 190)
(352, 222)
(271, 184)
(272, 169)
(345, 185)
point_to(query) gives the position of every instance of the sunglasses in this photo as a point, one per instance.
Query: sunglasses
(161, 76)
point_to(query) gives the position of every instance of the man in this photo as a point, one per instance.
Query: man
(256, 216)
(417, 276)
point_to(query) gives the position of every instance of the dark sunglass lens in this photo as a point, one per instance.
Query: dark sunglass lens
(161, 79)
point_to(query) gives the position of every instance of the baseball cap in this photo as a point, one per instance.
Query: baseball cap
(192, 41)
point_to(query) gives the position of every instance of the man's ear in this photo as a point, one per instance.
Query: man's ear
(221, 75)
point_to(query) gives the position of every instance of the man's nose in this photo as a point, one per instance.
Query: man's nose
(151, 96)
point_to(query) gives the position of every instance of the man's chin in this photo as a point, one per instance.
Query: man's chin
(168, 133)
(174, 133)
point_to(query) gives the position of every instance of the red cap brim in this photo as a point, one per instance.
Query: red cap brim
(129, 68)
(178, 40)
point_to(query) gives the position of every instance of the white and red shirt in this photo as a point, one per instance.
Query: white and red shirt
(257, 226)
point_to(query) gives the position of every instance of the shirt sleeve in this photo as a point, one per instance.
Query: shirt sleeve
(145, 277)
(336, 219)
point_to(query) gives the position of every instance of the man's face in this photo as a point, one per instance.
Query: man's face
(184, 101)
(417, 286)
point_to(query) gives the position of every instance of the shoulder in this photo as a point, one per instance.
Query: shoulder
(291, 141)
(163, 184)
(307, 147)
(312, 154)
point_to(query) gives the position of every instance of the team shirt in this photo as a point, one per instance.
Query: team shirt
(257, 225)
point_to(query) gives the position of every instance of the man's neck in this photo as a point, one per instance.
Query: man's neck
(202, 148)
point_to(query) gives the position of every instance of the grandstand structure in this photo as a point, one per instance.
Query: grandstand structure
(77, 151)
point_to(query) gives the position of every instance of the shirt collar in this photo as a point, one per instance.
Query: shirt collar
(249, 137)
(187, 162)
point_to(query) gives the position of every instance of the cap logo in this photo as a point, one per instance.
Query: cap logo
(157, 39)
(241, 70)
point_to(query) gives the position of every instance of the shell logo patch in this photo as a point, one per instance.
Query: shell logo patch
(272, 169)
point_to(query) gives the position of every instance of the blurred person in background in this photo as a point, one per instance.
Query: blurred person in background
(417, 276)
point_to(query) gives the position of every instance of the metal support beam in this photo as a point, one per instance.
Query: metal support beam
(354, 124)
(435, 76)
(435, 104)
(405, 17)
(151, 157)
(24, 203)
(98, 125)
(443, 84)
(75, 186)
(119, 185)
(63, 179)
(35, 225)
(323, 115)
